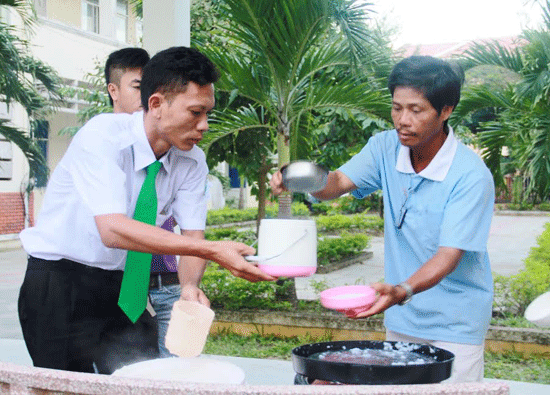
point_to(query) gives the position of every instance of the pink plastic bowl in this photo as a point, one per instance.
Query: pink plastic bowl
(350, 300)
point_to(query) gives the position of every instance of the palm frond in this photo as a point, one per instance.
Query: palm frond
(231, 122)
(138, 7)
(239, 72)
(479, 97)
(491, 139)
(351, 17)
(346, 94)
(536, 72)
(493, 53)
(19, 74)
(279, 33)
(26, 11)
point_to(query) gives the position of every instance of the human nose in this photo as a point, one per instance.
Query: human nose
(404, 118)
(203, 124)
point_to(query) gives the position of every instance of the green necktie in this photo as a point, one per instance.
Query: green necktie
(135, 282)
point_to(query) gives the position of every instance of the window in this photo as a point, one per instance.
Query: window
(90, 15)
(121, 22)
(40, 134)
(6, 159)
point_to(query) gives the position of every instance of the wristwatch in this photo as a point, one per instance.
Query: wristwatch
(408, 289)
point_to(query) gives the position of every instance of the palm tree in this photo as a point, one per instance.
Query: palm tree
(28, 82)
(515, 115)
(288, 59)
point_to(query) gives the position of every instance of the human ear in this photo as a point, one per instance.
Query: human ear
(446, 112)
(155, 101)
(113, 91)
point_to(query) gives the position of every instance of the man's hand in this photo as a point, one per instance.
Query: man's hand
(276, 183)
(229, 254)
(193, 293)
(431, 273)
(387, 296)
(119, 231)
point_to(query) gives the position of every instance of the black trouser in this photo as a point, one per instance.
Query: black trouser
(71, 320)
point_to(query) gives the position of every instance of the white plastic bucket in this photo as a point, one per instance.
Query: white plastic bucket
(290, 245)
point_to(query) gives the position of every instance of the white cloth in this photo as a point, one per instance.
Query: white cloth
(102, 173)
(468, 365)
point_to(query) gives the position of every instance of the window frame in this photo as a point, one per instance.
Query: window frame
(94, 6)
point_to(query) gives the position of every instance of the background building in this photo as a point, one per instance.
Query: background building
(71, 36)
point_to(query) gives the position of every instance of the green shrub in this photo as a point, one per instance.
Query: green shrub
(347, 205)
(513, 294)
(322, 208)
(345, 246)
(247, 236)
(298, 210)
(357, 222)
(544, 206)
(228, 215)
(232, 293)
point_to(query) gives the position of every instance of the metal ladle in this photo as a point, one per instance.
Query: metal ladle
(304, 176)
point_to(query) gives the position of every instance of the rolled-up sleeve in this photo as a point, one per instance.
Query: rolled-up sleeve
(363, 168)
(190, 203)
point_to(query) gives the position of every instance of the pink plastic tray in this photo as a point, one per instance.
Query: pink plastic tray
(350, 299)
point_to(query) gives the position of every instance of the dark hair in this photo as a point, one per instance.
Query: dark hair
(436, 79)
(124, 59)
(170, 70)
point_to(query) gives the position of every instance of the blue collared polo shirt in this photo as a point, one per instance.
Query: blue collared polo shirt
(448, 204)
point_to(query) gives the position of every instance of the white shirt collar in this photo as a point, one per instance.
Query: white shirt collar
(439, 166)
(143, 153)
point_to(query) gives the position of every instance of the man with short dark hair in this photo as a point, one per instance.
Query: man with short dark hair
(71, 306)
(123, 72)
(438, 205)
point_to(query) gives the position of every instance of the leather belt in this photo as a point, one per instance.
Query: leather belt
(159, 279)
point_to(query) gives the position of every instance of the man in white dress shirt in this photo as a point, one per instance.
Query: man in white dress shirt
(68, 303)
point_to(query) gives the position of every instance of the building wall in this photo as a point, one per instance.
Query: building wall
(15, 212)
(59, 41)
(66, 11)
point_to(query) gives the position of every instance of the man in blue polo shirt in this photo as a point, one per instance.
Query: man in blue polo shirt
(438, 205)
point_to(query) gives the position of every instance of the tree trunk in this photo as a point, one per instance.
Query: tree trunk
(287, 293)
(262, 192)
(285, 198)
(241, 195)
